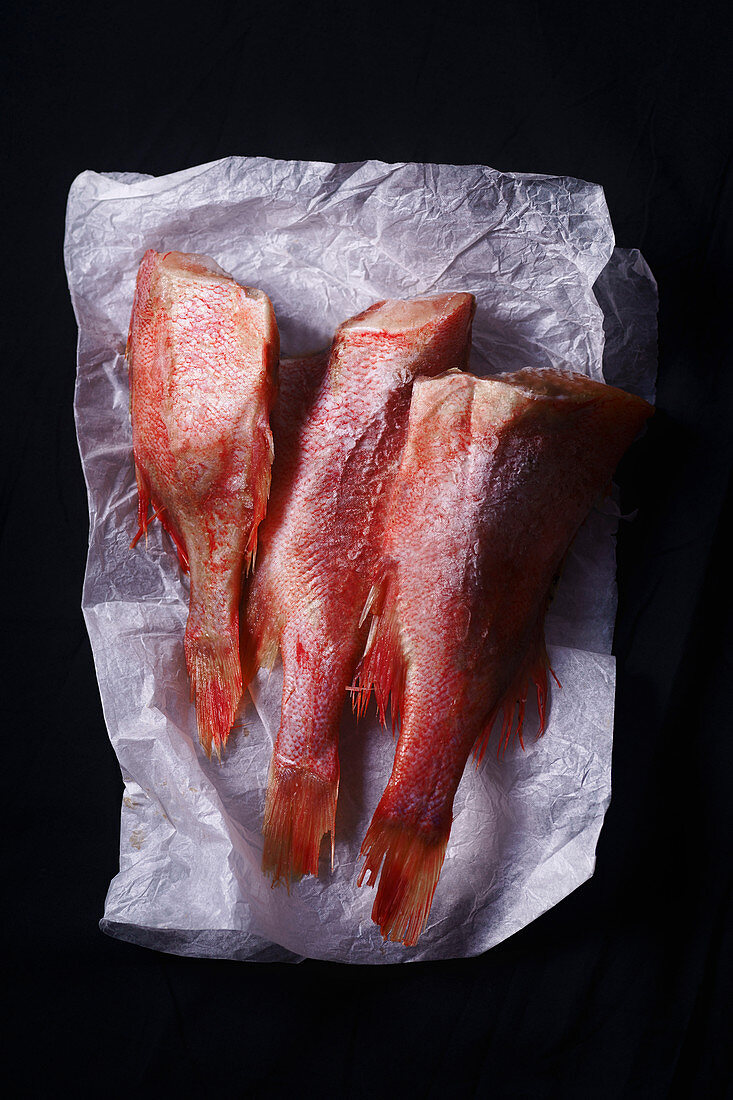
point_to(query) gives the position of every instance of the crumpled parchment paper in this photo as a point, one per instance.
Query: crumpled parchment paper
(325, 241)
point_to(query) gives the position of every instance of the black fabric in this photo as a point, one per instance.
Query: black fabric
(621, 990)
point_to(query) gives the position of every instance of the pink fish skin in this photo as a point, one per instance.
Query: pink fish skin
(202, 354)
(317, 559)
(495, 479)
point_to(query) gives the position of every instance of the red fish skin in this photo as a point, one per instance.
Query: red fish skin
(496, 477)
(202, 354)
(317, 557)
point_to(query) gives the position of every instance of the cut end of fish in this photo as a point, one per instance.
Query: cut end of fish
(196, 267)
(216, 688)
(300, 810)
(406, 315)
(410, 862)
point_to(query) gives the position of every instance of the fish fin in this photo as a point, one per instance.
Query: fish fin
(410, 862)
(216, 688)
(262, 456)
(143, 506)
(299, 810)
(512, 705)
(259, 645)
(145, 499)
(383, 667)
(178, 542)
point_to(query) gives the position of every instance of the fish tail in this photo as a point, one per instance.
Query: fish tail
(299, 810)
(216, 687)
(410, 861)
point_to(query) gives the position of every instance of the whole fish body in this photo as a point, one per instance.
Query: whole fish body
(495, 479)
(202, 354)
(317, 545)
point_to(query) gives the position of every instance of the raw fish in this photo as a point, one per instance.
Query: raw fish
(337, 443)
(495, 479)
(203, 354)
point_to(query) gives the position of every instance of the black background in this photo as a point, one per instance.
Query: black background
(619, 990)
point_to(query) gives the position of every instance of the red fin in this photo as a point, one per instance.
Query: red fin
(144, 500)
(383, 666)
(514, 701)
(216, 688)
(409, 875)
(178, 542)
(262, 456)
(299, 811)
(260, 643)
(143, 504)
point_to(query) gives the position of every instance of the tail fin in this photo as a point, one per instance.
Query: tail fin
(299, 811)
(216, 688)
(409, 876)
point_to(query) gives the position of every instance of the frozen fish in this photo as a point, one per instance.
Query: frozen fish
(202, 355)
(337, 446)
(495, 479)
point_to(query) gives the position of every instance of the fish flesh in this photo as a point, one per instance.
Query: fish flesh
(202, 354)
(337, 444)
(495, 479)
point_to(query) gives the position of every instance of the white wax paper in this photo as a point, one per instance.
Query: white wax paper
(325, 241)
